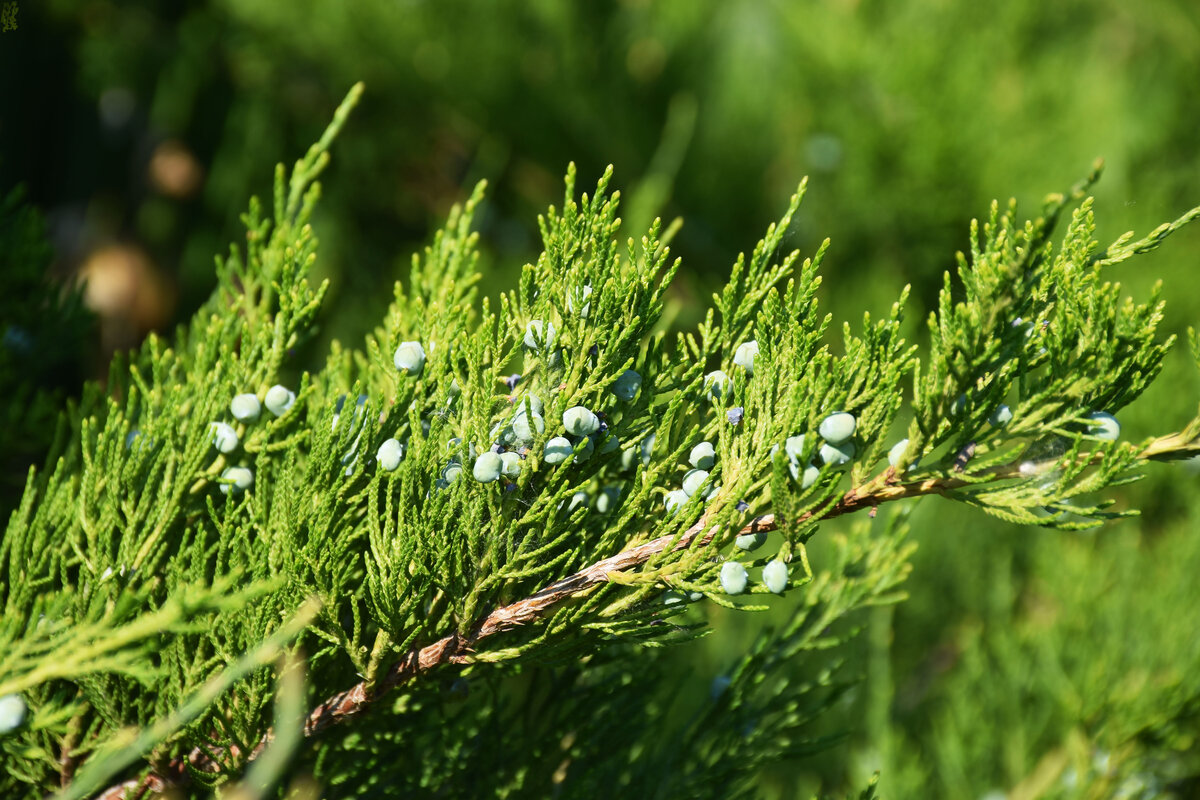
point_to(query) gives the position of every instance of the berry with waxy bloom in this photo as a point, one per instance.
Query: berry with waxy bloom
(279, 400)
(579, 297)
(608, 498)
(12, 712)
(557, 450)
(1001, 416)
(735, 415)
(245, 407)
(538, 335)
(410, 358)
(488, 467)
(717, 384)
(733, 577)
(578, 499)
(389, 455)
(526, 426)
(236, 479)
(775, 576)
(626, 387)
(693, 480)
(838, 427)
(745, 354)
(579, 421)
(223, 436)
(897, 452)
(703, 456)
(674, 500)
(1103, 425)
(750, 541)
(451, 472)
(837, 454)
(510, 465)
(610, 444)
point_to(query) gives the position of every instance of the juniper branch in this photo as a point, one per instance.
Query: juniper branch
(885, 487)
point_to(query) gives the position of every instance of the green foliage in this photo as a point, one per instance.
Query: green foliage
(565, 576)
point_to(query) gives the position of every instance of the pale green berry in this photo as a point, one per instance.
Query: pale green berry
(647, 449)
(223, 436)
(389, 455)
(837, 454)
(1103, 425)
(451, 472)
(897, 452)
(578, 499)
(745, 354)
(526, 426)
(579, 296)
(488, 467)
(245, 407)
(538, 335)
(511, 464)
(837, 427)
(580, 422)
(279, 400)
(410, 357)
(674, 500)
(811, 473)
(585, 452)
(557, 450)
(12, 712)
(237, 479)
(611, 444)
(717, 384)
(703, 456)
(793, 447)
(750, 541)
(775, 576)
(531, 401)
(607, 500)
(626, 387)
(1001, 416)
(693, 480)
(734, 577)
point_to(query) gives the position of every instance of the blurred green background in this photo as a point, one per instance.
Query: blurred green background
(141, 128)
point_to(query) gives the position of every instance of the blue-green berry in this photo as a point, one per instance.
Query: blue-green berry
(610, 444)
(585, 450)
(389, 455)
(579, 421)
(578, 499)
(734, 577)
(532, 402)
(511, 464)
(488, 467)
(719, 685)
(279, 400)
(452, 472)
(793, 447)
(557, 450)
(693, 480)
(647, 449)
(527, 426)
(608, 498)
(703, 456)
(809, 476)
(12, 712)
(717, 384)
(223, 436)
(674, 500)
(1001, 416)
(745, 354)
(410, 358)
(750, 541)
(897, 452)
(538, 335)
(837, 427)
(775, 576)
(626, 387)
(1103, 425)
(837, 454)
(245, 407)
(959, 406)
(237, 479)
